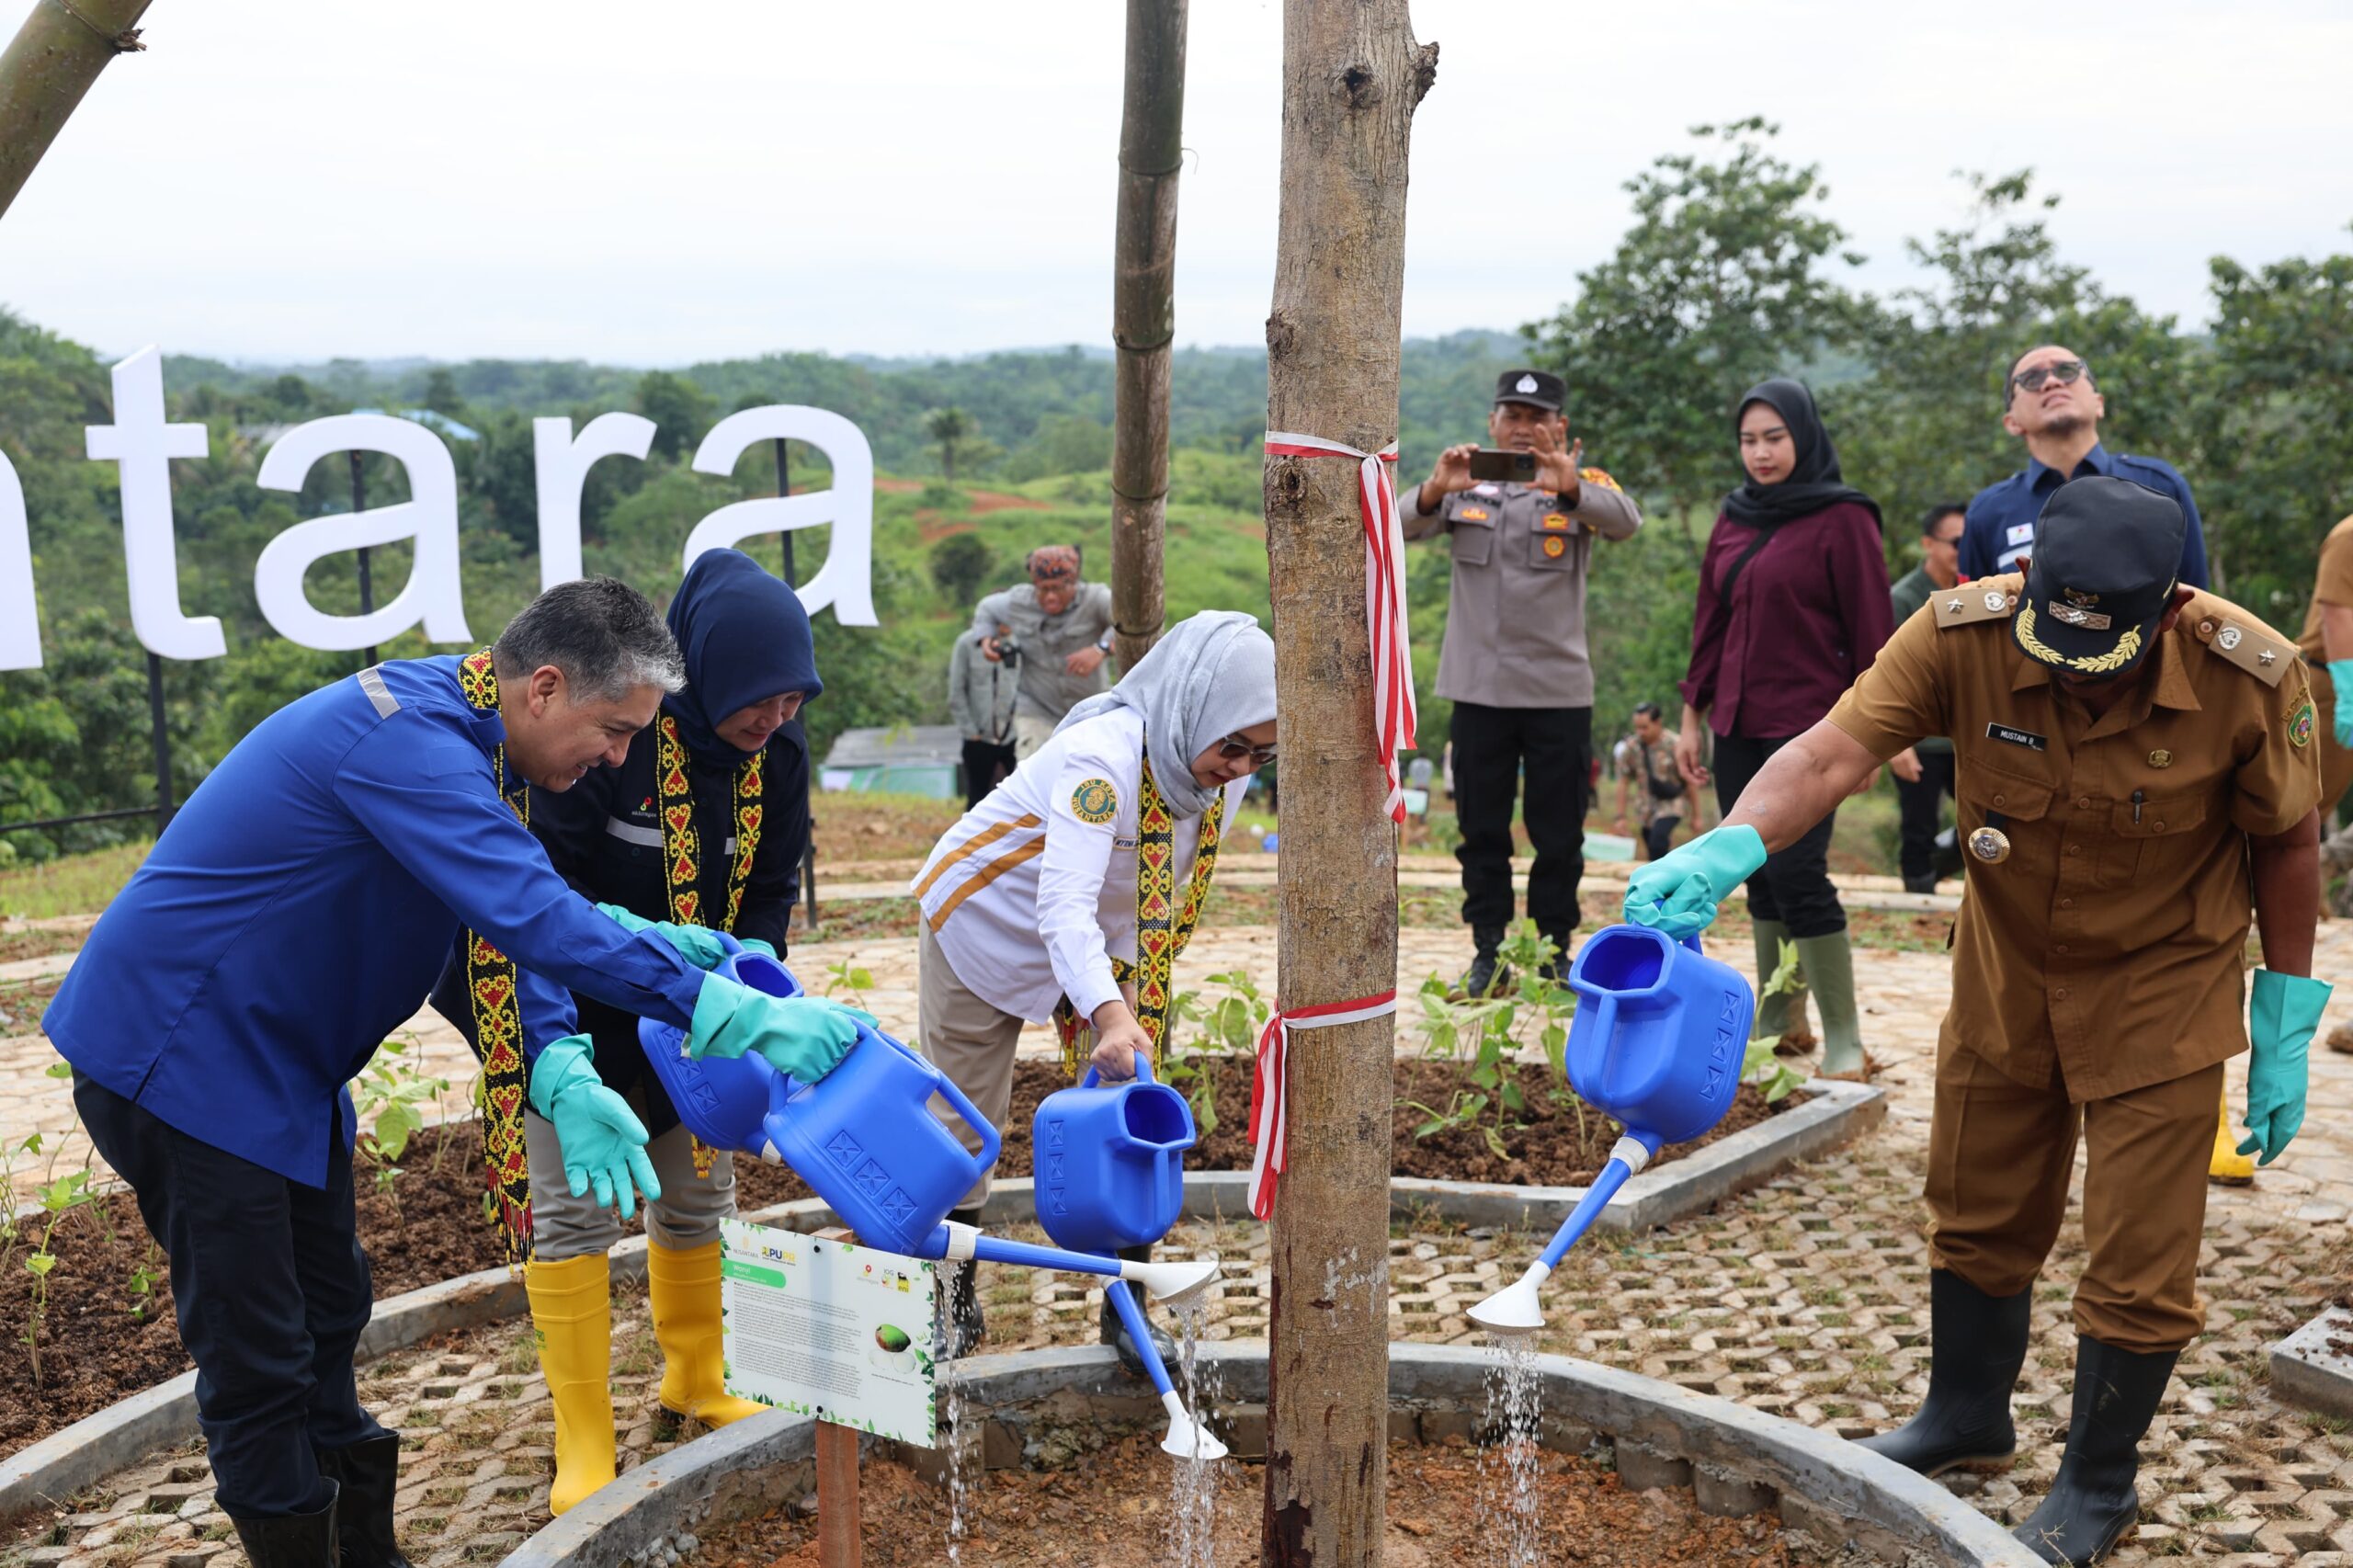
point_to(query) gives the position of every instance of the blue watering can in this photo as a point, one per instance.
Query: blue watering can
(863, 1136)
(1660, 1032)
(1109, 1161)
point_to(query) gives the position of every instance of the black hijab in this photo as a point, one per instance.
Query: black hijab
(746, 639)
(1815, 484)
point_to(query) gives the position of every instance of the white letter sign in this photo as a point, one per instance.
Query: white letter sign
(846, 583)
(141, 443)
(432, 595)
(19, 618)
(563, 465)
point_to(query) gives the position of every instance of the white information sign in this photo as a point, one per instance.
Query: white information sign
(829, 1329)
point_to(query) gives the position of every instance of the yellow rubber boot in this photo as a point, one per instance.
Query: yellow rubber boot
(572, 1318)
(684, 1287)
(2229, 1168)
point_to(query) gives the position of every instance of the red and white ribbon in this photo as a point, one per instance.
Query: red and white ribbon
(1267, 1084)
(1384, 597)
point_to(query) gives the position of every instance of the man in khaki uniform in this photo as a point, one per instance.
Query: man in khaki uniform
(2133, 756)
(1515, 662)
(2326, 643)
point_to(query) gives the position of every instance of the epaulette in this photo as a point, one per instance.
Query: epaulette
(1985, 600)
(1595, 476)
(2247, 642)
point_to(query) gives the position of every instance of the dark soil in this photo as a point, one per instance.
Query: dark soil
(1114, 1507)
(1551, 1147)
(95, 1352)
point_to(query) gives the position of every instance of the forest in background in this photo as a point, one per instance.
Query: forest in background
(1729, 273)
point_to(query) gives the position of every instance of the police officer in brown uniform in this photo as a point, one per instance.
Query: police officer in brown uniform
(2133, 756)
(1515, 662)
(2326, 642)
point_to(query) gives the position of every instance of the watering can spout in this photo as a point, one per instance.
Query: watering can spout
(1514, 1310)
(1189, 1436)
(1172, 1284)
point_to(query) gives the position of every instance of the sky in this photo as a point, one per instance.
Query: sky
(282, 180)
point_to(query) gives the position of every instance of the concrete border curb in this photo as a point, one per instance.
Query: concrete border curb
(1737, 1460)
(1833, 1113)
(2306, 1372)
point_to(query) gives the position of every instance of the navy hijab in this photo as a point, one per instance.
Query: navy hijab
(746, 639)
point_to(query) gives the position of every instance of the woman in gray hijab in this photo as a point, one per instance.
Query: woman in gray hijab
(1067, 894)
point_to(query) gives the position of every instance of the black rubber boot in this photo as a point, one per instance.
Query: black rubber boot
(368, 1473)
(1555, 970)
(1926, 883)
(962, 1325)
(1486, 972)
(294, 1540)
(1114, 1333)
(2092, 1504)
(1977, 1343)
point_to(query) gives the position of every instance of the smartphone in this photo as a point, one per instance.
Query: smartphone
(1501, 463)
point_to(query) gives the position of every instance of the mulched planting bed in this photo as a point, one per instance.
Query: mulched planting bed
(1114, 1507)
(1553, 1149)
(93, 1352)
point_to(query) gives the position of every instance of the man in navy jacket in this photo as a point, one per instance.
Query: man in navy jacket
(294, 913)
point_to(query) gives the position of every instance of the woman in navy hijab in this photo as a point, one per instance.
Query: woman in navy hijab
(704, 825)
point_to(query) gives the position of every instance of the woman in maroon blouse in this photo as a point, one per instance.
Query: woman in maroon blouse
(1793, 605)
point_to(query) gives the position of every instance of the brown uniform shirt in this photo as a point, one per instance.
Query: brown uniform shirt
(2104, 955)
(2333, 586)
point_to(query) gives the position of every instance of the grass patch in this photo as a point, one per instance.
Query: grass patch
(71, 885)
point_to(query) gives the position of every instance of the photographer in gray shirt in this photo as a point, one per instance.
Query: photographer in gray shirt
(1055, 629)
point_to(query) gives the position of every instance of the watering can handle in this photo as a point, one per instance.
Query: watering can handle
(728, 944)
(1691, 941)
(1143, 1073)
(973, 1119)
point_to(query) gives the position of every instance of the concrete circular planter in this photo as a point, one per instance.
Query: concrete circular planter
(1735, 1461)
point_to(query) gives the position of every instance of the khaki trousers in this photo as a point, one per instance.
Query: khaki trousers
(684, 1217)
(968, 1039)
(1029, 733)
(2000, 1156)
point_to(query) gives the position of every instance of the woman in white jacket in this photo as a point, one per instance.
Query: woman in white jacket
(1069, 891)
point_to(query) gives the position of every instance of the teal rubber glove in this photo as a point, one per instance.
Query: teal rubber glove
(805, 1035)
(2340, 675)
(604, 1142)
(2280, 1022)
(699, 946)
(755, 944)
(1678, 893)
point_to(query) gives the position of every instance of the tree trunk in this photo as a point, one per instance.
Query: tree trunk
(52, 63)
(1143, 319)
(1352, 75)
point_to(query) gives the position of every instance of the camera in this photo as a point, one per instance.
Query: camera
(1009, 650)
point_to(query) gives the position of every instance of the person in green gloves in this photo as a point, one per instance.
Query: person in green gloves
(2133, 757)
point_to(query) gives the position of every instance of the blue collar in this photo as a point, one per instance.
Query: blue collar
(2096, 459)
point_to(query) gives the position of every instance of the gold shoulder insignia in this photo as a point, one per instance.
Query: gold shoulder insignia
(2246, 643)
(1595, 476)
(1967, 604)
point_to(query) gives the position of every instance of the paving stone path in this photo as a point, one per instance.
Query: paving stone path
(1807, 1297)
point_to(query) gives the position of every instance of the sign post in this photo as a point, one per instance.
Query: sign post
(367, 577)
(808, 850)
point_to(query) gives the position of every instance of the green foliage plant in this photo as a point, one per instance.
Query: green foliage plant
(1226, 1025)
(391, 1094)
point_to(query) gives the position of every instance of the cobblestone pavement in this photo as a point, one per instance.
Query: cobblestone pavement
(1807, 1297)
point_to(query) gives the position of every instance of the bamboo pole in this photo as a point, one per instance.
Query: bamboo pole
(1143, 319)
(1352, 75)
(52, 63)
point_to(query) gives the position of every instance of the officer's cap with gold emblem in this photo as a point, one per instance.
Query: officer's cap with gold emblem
(1540, 388)
(2106, 552)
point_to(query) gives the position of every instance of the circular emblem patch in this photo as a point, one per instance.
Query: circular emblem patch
(1555, 546)
(2227, 639)
(2300, 728)
(1990, 845)
(1095, 800)
(1997, 603)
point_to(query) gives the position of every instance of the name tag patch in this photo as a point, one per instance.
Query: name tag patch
(2020, 533)
(2026, 738)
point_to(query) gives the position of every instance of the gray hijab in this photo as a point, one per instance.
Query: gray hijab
(1205, 678)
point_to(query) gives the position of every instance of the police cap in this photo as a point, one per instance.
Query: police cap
(1541, 388)
(2106, 552)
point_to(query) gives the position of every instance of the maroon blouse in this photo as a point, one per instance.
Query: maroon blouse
(1807, 615)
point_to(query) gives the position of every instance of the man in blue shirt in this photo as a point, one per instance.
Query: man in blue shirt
(2050, 402)
(295, 913)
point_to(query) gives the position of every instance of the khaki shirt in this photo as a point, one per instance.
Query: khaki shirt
(2104, 954)
(2333, 585)
(1048, 690)
(1515, 618)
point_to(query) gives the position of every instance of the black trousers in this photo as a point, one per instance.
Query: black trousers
(1492, 746)
(1919, 806)
(1794, 885)
(985, 767)
(1658, 836)
(271, 1289)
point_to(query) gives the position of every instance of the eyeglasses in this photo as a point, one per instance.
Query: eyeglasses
(1235, 745)
(2066, 372)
